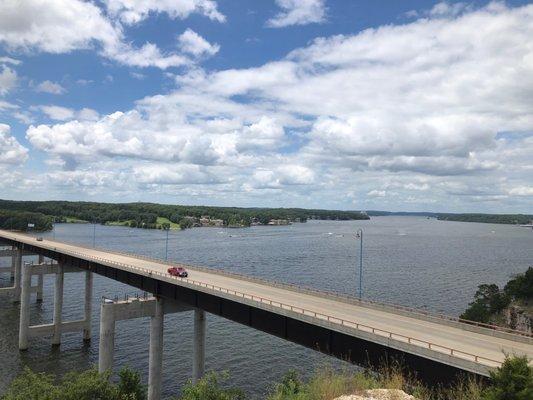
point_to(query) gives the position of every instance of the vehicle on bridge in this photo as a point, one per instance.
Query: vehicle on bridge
(40, 239)
(178, 271)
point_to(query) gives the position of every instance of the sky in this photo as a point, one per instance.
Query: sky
(389, 105)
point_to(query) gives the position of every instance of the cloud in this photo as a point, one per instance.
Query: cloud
(192, 43)
(415, 110)
(8, 80)
(9, 60)
(59, 113)
(298, 12)
(521, 191)
(131, 12)
(11, 151)
(266, 134)
(62, 26)
(50, 87)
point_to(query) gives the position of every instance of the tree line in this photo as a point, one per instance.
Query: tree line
(145, 214)
(490, 300)
(488, 218)
(23, 220)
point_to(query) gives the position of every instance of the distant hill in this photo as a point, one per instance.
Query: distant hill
(488, 218)
(157, 216)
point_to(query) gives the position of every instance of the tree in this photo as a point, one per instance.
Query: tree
(488, 300)
(521, 287)
(86, 385)
(512, 381)
(210, 388)
(130, 386)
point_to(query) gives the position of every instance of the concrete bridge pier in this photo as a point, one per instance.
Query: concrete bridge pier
(13, 262)
(58, 305)
(155, 356)
(40, 281)
(17, 273)
(88, 305)
(24, 320)
(58, 326)
(106, 349)
(155, 308)
(198, 365)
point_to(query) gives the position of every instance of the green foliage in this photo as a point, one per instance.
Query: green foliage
(512, 381)
(210, 388)
(521, 287)
(488, 218)
(145, 215)
(87, 385)
(130, 386)
(490, 300)
(19, 220)
(31, 385)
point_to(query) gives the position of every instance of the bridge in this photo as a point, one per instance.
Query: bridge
(437, 347)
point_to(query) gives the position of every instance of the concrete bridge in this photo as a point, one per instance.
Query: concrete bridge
(437, 347)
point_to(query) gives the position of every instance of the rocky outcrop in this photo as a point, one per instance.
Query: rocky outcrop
(379, 394)
(519, 318)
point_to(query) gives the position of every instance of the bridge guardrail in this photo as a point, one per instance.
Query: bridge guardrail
(306, 289)
(343, 322)
(358, 326)
(343, 297)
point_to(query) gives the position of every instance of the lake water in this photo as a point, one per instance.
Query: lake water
(414, 261)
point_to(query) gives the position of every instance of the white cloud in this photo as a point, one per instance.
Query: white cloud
(50, 87)
(8, 80)
(413, 110)
(9, 60)
(63, 26)
(192, 43)
(11, 151)
(521, 191)
(298, 12)
(59, 113)
(134, 11)
(265, 134)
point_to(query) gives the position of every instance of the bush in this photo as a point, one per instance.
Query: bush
(210, 388)
(512, 381)
(87, 385)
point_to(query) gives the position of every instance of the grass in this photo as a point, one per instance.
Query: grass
(328, 384)
(72, 220)
(162, 220)
(118, 223)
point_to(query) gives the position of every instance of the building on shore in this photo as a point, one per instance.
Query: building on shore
(279, 222)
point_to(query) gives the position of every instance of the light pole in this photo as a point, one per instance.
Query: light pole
(359, 235)
(166, 244)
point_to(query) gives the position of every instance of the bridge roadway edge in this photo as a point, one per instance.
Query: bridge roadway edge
(293, 328)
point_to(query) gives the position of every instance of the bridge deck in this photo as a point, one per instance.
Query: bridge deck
(435, 336)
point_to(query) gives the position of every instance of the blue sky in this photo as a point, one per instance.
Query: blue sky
(410, 105)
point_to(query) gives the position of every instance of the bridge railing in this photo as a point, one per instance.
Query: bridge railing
(323, 293)
(303, 311)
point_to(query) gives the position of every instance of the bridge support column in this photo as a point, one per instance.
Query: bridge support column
(17, 273)
(58, 305)
(40, 279)
(155, 357)
(88, 305)
(106, 348)
(13, 263)
(198, 366)
(24, 321)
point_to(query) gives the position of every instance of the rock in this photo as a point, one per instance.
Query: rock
(379, 394)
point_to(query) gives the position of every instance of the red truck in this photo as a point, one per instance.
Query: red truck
(178, 271)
